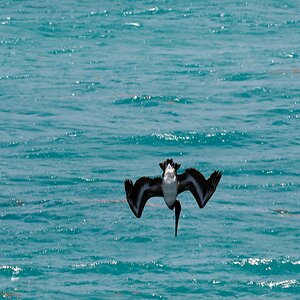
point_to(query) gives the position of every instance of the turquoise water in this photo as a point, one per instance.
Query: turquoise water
(93, 92)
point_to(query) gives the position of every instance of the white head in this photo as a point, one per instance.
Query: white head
(169, 167)
(170, 170)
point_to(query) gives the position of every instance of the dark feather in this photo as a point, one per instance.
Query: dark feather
(202, 189)
(139, 193)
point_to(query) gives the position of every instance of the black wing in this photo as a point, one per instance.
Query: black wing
(138, 194)
(201, 188)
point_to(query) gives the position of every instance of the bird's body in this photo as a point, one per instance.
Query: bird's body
(169, 186)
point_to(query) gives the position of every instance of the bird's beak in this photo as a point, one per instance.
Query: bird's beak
(177, 214)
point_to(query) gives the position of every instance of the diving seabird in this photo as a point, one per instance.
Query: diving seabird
(169, 186)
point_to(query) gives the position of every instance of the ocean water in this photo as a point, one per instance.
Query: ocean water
(93, 92)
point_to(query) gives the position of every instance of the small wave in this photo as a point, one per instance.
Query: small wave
(94, 13)
(195, 73)
(11, 144)
(135, 239)
(284, 284)
(260, 93)
(149, 100)
(244, 76)
(219, 138)
(225, 137)
(10, 41)
(133, 24)
(283, 54)
(150, 11)
(267, 265)
(15, 77)
(118, 267)
(14, 271)
(48, 152)
(10, 270)
(196, 70)
(62, 51)
(53, 180)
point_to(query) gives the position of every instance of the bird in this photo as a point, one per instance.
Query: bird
(169, 186)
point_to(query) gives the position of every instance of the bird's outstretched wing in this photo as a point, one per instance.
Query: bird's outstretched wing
(201, 188)
(138, 194)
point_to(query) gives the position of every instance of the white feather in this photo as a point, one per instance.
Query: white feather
(169, 185)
